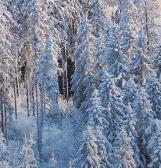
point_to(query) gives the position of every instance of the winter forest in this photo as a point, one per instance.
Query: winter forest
(80, 83)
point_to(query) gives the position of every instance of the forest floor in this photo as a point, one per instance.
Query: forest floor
(59, 139)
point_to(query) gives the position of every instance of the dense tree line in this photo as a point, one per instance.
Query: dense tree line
(114, 50)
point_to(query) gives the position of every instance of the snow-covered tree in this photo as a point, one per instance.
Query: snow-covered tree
(7, 63)
(85, 59)
(95, 125)
(29, 160)
(157, 62)
(4, 153)
(153, 146)
(53, 161)
(122, 152)
(154, 91)
(47, 75)
(149, 16)
(88, 154)
(48, 87)
(116, 48)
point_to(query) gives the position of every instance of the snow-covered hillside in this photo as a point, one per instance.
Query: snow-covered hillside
(80, 84)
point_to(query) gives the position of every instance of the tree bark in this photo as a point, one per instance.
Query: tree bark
(27, 99)
(15, 99)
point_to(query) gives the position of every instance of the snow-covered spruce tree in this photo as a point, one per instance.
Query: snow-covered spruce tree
(109, 62)
(94, 110)
(104, 89)
(85, 59)
(153, 145)
(128, 22)
(128, 29)
(133, 99)
(47, 75)
(154, 90)
(4, 153)
(122, 152)
(92, 152)
(113, 57)
(133, 134)
(16, 155)
(141, 70)
(144, 74)
(148, 18)
(114, 76)
(151, 134)
(48, 87)
(157, 62)
(96, 47)
(29, 160)
(148, 118)
(153, 86)
(120, 117)
(98, 16)
(137, 63)
(141, 103)
(88, 154)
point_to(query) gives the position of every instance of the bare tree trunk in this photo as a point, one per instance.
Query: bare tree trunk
(147, 27)
(15, 99)
(40, 122)
(64, 85)
(66, 74)
(2, 119)
(27, 98)
(37, 101)
(43, 97)
(33, 100)
(16, 80)
(67, 85)
(5, 123)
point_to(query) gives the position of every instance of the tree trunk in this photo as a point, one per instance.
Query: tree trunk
(15, 99)
(27, 99)
(16, 80)
(5, 123)
(2, 119)
(66, 75)
(147, 27)
(33, 100)
(37, 100)
(40, 122)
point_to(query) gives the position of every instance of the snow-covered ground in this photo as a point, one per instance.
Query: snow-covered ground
(59, 139)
